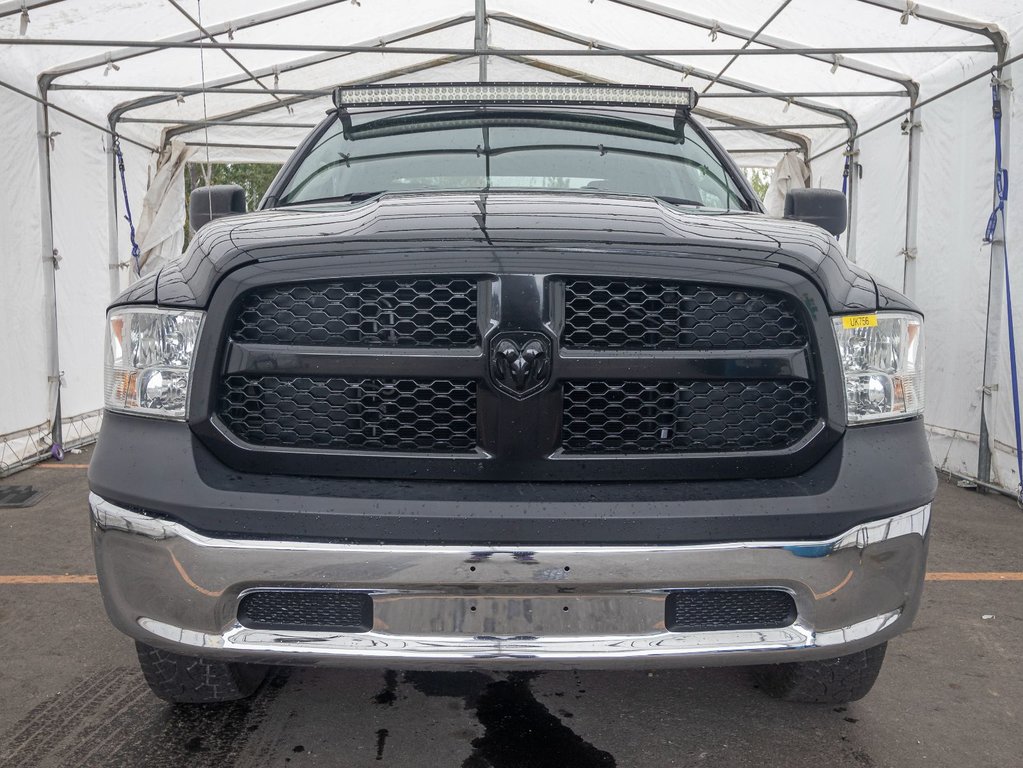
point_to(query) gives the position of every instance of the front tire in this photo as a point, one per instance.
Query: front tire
(193, 680)
(829, 681)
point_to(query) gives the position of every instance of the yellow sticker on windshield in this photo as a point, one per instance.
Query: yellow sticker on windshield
(859, 321)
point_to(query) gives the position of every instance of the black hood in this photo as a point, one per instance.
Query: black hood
(491, 222)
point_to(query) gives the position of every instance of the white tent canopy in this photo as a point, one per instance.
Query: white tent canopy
(892, 96)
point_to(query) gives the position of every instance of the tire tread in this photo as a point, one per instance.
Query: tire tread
(193, 680)
(828, 681)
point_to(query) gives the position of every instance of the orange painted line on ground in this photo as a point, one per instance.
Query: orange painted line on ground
(989, 576)
(58, 465)
(84, 578)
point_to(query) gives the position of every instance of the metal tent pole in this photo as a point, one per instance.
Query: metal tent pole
(809, 51)
(854, 199)
(911, 127)
(480, 40)
(49, 256)
(113, 243)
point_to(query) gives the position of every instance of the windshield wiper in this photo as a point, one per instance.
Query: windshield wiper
(351, 197)
(678, 201)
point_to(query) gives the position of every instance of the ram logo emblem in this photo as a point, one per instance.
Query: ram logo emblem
(520, 364)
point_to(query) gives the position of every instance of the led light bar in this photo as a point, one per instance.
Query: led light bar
(427, 94)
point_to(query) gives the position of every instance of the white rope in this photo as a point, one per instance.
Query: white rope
(208, 170)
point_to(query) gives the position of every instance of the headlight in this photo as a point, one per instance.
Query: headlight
(883, 362)
(149, 358)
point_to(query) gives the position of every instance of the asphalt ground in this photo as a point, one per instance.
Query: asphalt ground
(950, 693)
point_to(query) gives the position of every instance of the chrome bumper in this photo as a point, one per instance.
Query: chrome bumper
(538, 607)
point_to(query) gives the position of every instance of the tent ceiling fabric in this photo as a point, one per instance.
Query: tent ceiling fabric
(888, 49)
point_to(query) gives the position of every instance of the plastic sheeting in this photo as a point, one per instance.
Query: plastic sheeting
(257, 103)
(161, 228)
(790, 173)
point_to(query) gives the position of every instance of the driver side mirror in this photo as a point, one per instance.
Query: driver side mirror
(208, 203)
(827, 208)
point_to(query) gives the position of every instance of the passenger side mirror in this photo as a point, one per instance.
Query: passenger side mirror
(827, 208)
(208, 203)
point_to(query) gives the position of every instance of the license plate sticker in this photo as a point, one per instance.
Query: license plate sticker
(859, 321)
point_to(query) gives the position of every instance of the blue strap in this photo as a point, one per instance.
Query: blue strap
(135, 251)
(1001, 195)
(1014, 374)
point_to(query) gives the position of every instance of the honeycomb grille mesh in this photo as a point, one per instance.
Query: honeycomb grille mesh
(436, 416)
(619, 314)
(711, 609)
(682, 417)
(307, 609)
(405, 312)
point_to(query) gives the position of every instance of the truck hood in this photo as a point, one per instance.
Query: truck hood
(493, 221)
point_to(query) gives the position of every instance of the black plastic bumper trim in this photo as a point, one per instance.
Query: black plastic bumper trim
(159, 467)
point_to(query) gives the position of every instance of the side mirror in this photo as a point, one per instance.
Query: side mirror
(208, 203)
(827, 208)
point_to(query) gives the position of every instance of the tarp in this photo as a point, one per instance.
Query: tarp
(790, 173)
(161, 227)
(786, 76)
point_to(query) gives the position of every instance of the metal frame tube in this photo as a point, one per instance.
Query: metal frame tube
(48, 256)
(246, 22)
(192, 90)
(846, 117)
(292, 66)
(436, 51)
(912, 205)
(15, 7)
(775, 45)
(269, 107)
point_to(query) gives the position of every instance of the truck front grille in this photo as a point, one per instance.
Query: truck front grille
(685, 416)
(406, 312)
(431, 377)
(436, 416)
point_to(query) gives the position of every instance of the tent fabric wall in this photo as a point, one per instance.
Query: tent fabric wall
(259, 121)
(25, 400)
(952, 268)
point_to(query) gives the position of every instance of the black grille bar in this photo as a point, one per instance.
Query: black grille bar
(383, 362)
(749, 365)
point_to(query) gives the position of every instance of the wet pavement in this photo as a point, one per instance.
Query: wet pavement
(950, 694)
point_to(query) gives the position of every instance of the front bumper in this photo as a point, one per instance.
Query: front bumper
(504, 607)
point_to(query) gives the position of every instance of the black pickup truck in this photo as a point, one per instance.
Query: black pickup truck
(512, 376)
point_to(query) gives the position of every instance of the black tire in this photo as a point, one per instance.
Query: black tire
(193, 680)
(829, 681)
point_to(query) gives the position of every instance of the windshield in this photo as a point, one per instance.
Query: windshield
(493, 149)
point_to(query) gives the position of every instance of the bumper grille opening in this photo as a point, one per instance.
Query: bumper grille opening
(695, 610)
(685, 417)
(311, 610)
